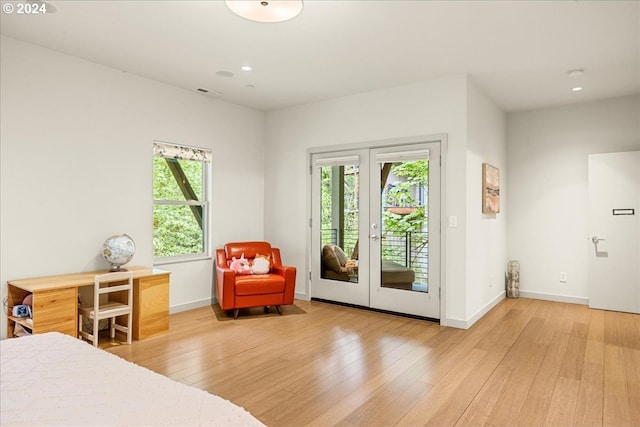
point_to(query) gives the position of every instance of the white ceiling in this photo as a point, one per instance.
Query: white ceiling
(518, 52)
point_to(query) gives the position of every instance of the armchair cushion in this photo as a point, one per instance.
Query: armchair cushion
(259, 284)
(249, 249)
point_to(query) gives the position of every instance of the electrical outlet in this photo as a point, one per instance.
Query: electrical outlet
(563, 277)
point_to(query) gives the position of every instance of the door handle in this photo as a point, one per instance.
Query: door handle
(374, 237)
(596, 239)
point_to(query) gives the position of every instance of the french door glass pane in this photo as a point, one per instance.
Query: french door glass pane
(405, 225)
(339, 222)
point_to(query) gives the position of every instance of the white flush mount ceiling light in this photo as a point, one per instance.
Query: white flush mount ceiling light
(266, 11)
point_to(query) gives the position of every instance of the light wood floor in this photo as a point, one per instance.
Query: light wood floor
(526, 363)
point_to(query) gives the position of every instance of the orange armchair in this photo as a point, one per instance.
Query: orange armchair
(235, 291)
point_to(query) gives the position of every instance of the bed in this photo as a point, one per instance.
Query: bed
(54, 379)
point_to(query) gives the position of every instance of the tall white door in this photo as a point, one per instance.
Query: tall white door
(339, 222)
(404, 243)
(376, 228)
(614, 231)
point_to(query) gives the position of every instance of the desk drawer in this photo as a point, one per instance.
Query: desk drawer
(56, 310)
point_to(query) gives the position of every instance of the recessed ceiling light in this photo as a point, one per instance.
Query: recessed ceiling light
(577, 88)
(224, 73)
(249, 86)
(575, 73)
(246, 68)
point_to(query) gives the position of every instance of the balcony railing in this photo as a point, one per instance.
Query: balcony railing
(410, 248)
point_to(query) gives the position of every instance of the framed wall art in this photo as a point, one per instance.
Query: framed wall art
(490, 189)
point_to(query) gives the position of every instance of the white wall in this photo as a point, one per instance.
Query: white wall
(76, 166)
(486, 233)
(426, 108)
(547, 162)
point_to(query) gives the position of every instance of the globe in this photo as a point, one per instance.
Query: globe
(118, 250)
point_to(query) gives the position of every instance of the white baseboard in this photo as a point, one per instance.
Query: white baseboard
(191, 305)
(454, 323)
(303, 297)
(484, 310)
(554, 297)
(466, 324)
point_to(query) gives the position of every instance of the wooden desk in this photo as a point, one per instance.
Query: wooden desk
(55, 301)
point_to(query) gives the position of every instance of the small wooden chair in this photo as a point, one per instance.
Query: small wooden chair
(111, 308)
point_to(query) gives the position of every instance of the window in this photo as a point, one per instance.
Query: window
(180, 202)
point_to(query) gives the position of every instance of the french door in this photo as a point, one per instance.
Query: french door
(375, 228)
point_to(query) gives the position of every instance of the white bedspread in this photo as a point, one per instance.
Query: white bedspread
(54, 379)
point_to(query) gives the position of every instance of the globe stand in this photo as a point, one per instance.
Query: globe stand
(116, 268)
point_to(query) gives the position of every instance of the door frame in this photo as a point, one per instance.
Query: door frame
(435, 138)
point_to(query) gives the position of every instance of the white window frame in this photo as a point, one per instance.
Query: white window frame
(183, 152)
